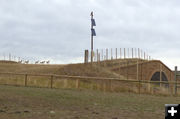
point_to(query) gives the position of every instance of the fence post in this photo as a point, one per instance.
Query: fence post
(120, 53)
(127, 68)
(25, 82)
(106, 54)
(77, 83)
(51, 81)
(86, 57)
(110, 83)
(111, 54)
(139, 87)
(116, 53)
(175, 84)
(137, 76)
(132, 53)
(124, 53)
(141, 54)
(97, 56)
(138, 53)
(102, 54)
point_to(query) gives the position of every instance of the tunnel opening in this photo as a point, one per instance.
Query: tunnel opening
(156, 77)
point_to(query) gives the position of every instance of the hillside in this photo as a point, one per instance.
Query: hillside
(101, 69)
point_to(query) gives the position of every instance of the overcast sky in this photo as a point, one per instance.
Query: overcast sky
(59, 30)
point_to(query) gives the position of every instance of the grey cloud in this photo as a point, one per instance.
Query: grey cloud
(60, 29)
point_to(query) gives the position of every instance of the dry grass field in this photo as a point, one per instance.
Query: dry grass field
(43, 103)
(70, 69)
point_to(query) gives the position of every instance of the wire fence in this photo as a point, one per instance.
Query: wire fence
(93, 83)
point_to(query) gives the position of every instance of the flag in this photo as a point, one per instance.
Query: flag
(93, 22)
(91, 13)
(93, 32)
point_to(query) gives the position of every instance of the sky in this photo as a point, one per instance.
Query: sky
(59, 30)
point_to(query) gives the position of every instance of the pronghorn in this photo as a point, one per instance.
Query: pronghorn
(42, 62)
(37, 62)
(20, 61)
(26, 62)
(47, 62)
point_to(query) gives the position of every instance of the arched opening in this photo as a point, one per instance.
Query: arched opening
(156, 77)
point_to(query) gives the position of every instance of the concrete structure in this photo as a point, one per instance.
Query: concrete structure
(153, 70)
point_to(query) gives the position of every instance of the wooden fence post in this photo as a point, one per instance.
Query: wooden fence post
(127, 68)
(110, 83)
(137, 76)
(116, 53)
(102, 55)
(97, 55)
(132, 53)
(111, 54)
(124, 53)
(77, 83)
(128, 53)
(120, 53)
(141, 54)
(175, 79)
(106, 54)
(86, 57)
(144, 56)
(138, 53)
(25, 82)
(51, 81)
(139, 87)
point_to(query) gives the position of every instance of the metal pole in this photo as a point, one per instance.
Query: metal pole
(91, 39)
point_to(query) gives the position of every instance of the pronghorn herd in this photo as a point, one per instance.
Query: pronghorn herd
(36, 62)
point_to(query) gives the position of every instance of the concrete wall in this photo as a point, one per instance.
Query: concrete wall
(145, 70)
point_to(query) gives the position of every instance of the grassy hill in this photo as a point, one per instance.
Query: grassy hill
(102, 69)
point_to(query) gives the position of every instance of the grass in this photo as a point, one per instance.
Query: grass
(43, 103)
(70, 69)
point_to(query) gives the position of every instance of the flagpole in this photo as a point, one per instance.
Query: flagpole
(91, 39)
